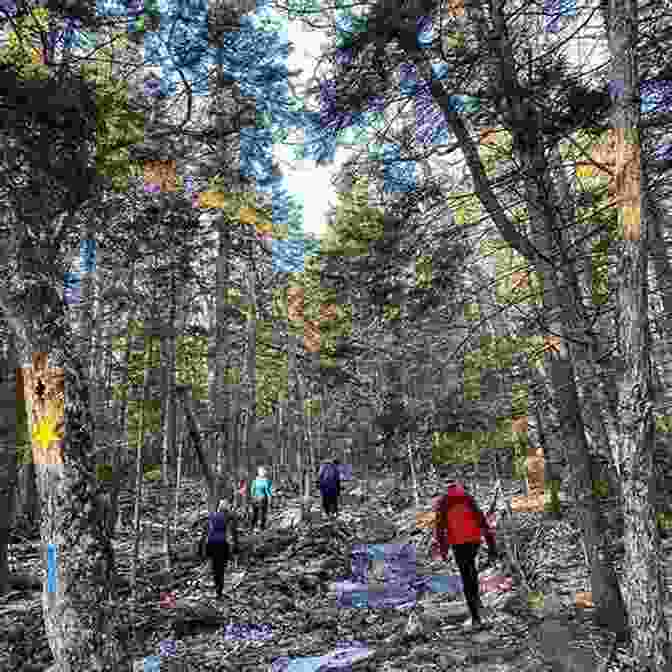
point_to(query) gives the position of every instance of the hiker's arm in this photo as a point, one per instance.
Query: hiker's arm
(233, 521)
(203, 542)
(487, 532)
(441, 538)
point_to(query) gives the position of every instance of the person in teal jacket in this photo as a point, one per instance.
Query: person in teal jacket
(261, 493)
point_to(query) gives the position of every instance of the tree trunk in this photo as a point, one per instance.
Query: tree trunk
(660, 279)
(29, 499)
(211, 480)
(643, 586)
(8, 471)
(168, 348)
(562, 300)
(123, 442)
(137, 509)
(248, 433)
(169, 431)
(178, 477)
(278, 431)
(82, 630)
(294, 456)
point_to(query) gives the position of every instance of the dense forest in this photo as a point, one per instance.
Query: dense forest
(491, 301)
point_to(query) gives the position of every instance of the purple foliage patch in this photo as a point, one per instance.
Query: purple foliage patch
(343, 56)
(664, 152)
(170, 648)
(656, 95)
(616, 88)
(8, 7)
(246, 631)
(330, 115)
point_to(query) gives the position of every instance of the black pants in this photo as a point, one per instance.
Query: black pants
(219, 557)
(259, 511)
(330, 503)
(465, 557)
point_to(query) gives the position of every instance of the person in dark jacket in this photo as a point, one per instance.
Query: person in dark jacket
(329, 479)
(217, 547)
(460, 524)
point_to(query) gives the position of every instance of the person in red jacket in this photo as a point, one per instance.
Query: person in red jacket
(460, 524)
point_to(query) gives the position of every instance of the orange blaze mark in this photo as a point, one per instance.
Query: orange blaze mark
(44, 388)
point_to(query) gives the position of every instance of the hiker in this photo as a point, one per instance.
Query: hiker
(217, 547)
(329, 480)
(242, 488)
(460, 524)
(261, 493)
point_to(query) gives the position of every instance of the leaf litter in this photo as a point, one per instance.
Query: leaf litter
(281, 612)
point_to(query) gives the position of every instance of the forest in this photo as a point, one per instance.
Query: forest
(490, 303)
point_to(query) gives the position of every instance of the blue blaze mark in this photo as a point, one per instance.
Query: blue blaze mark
(51, 568)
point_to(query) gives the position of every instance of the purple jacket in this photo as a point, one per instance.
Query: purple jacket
(330, 479)
(217, 527)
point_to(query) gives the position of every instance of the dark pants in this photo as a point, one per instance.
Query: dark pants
(219, 557)
(465, 557)
(330, 503)
(259, 510)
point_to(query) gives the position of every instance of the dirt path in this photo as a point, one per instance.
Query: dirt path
(281, 605)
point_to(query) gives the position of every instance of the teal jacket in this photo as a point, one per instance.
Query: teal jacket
(261, 487)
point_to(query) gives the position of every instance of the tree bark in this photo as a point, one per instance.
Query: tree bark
(643, 586)
(248, 433)
(82, 629)
(212, 482)
(123, 442)
(169, 430)
(139, 480)
(8, 471)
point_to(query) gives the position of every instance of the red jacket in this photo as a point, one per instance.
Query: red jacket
(460, 521)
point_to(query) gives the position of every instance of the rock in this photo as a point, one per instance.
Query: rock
(452, 659)
(15, 632)
(415, 627)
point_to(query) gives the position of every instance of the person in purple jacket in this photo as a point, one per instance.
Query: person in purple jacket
(217, 547)
(329, 479)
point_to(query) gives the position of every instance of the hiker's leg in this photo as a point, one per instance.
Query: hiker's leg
(472, 593)
(222, 559)
(255, 514)
(325, 503)
(264, 511)
(465, 561)
(213, 553)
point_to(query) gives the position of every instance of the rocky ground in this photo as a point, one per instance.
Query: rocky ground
(285, 584)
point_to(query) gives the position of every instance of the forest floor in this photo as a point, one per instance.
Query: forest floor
(285, 579)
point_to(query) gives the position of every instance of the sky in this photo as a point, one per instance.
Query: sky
(305, 177)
